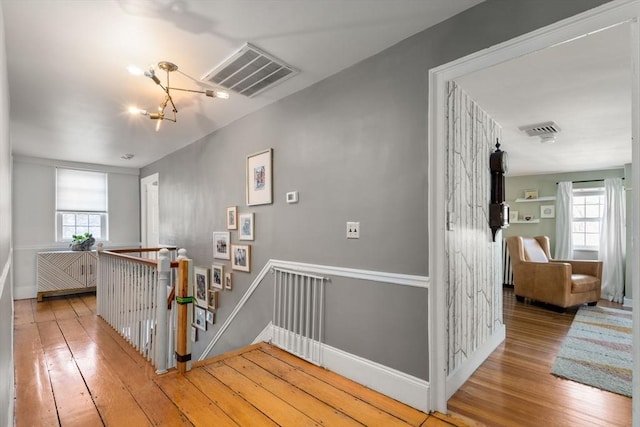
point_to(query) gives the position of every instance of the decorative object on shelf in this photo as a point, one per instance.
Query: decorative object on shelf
(217, 275)
(528, 217)
(200, 318)
(232, 218)
(201, 284)
(260, 178)
(531, 194)
(245, 229)
(221, 245)
(547, 211)
(498, 209)
(168, 67)
(513, 216)
(241, 257)
(82, 242)
(228, 281)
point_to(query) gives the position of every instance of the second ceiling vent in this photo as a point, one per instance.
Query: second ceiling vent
(546, 131)
(250, 71)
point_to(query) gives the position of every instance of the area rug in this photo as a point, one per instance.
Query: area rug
(597, 351)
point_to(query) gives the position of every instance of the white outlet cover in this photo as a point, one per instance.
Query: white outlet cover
(353, 230)
(292, 197)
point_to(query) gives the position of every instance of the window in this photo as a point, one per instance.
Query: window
(81, 204)
(588, 208)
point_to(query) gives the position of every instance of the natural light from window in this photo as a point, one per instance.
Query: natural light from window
(588, 208)
(81, 204)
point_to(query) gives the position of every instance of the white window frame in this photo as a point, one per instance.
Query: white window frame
(583, 192)
(104, 215)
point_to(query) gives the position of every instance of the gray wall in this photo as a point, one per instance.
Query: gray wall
(34, 207)
(354, 146)
(6, 285)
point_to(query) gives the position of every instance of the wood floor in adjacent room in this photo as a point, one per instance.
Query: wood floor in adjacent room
(72, 369)
(514, 386)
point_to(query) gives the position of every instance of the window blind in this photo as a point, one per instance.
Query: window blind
(81, 191)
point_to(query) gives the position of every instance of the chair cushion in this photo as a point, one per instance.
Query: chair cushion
(583, 283)
(533, 251)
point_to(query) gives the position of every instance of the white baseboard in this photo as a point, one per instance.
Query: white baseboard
(627, 302)
(460, 376)
(403, 387)
(24, 292)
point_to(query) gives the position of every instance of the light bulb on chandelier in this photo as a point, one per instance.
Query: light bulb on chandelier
(168, 67)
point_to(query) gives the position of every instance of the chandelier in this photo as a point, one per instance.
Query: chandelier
(168, 67)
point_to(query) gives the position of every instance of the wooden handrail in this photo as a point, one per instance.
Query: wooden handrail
(124, 251)
(145, 261)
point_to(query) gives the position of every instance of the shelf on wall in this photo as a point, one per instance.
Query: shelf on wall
(539, 199)
(522, 221)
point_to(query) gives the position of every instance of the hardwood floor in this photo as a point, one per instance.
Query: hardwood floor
(514, 386)
(72, 369)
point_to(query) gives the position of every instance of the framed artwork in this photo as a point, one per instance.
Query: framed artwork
(232, 218)
(194, 334)
(513, 216)
(221, 241)
(200, 318)
(241, 257)
(213, 299)
(201, 285)
(531, 194)
(547, 211)
(245, 230)
(210, 317)
(260, 178)
(217, 276)
(228, 281)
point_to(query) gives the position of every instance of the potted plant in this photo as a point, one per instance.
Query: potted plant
(82, 242)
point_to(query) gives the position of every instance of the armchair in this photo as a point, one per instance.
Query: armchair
(561, 283)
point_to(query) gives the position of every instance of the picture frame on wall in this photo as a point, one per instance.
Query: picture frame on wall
(213, 299)
(201, 285)
(259, 178)
(217, 276)
(200, 318)
(241, 257)
(232, 218)
(228, 281)
(245, 226)
(194, 334)
(547, 211)
(221, 245)
(210, 317)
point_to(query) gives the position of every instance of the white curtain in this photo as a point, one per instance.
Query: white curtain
(564, 216)
(613, 240)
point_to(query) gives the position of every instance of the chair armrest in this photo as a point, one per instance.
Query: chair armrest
(590, 268)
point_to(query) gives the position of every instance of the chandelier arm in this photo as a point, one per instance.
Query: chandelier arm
(188, 90)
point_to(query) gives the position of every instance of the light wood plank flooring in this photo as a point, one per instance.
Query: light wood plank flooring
(72, 369)
(514, 386)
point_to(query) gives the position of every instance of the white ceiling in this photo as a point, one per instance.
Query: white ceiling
(70, 91)
(583, 85)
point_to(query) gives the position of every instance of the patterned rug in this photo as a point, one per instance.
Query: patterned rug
(597, 351)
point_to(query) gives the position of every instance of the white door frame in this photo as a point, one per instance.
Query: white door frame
(143, 204)
(587, 22)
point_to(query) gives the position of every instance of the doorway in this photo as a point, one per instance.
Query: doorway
(150, 211)
(597, 19)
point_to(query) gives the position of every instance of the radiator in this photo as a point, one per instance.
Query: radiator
(298, 313)
(507, 271)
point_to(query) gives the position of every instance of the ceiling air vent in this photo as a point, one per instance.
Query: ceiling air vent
(249, 72)
(546, 131)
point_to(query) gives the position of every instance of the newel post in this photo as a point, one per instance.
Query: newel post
(164, 271)
(184, 299)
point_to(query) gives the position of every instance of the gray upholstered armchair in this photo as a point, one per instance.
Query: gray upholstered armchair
(561, 283)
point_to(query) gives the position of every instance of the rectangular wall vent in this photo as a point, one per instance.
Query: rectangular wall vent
(250, 71)
(540, 129)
